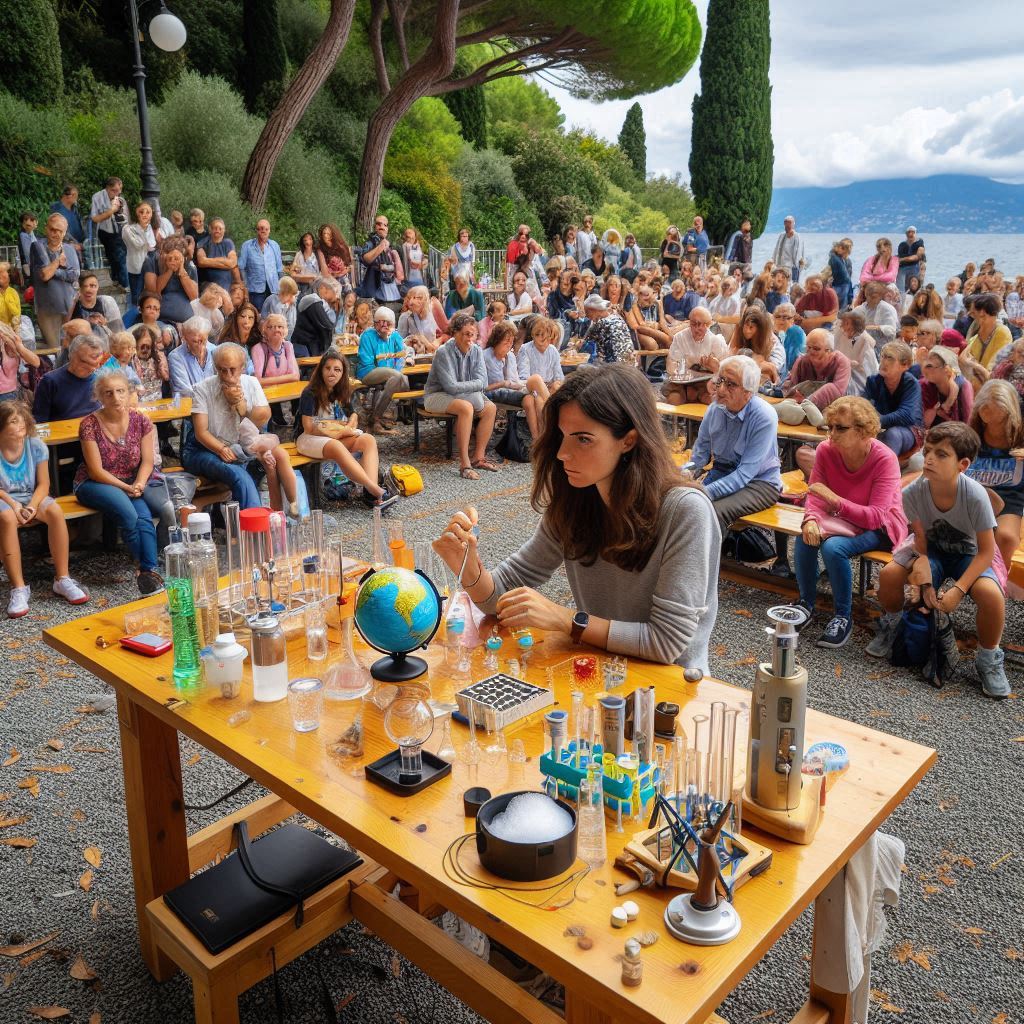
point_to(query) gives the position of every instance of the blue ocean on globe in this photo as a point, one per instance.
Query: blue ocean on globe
(396, 610)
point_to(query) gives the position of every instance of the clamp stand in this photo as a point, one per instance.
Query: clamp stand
(703, 917)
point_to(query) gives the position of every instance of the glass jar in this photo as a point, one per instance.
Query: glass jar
(269, 659)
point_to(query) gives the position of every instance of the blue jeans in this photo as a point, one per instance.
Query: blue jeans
(135, 283)
(899, 439)
(116, 254)
(836, 553)
(132, 516)
(202, 462)
(950, 565)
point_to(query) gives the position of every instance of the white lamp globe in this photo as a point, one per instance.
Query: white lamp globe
(167, 32)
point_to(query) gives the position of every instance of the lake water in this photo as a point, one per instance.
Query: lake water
(946, 254)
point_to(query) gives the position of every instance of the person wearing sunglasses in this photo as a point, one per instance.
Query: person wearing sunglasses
(739, 432)
(380, 361)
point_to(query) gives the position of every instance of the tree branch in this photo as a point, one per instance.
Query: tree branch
(451, 85)
(380, 65)
(484, 35)
(397, 9)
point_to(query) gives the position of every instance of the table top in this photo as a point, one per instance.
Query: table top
(695, 411)
(683, 983)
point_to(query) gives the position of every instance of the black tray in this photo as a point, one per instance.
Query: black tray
(386, 771)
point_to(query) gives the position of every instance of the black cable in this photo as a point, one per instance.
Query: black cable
(227, 796)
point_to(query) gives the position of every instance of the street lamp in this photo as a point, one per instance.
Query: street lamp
(168, 33)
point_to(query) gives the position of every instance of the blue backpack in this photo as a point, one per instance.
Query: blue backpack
(915, 639)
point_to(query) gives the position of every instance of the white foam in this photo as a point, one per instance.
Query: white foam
(531, 818)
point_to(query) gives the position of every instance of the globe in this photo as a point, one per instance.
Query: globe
(397, 610)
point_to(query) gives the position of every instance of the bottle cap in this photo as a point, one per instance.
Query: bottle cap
(199, 524)
(263, 623)
(254, 520)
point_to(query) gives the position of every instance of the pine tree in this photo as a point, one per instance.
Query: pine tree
(633, 140)
(731, 153)
(266, 62)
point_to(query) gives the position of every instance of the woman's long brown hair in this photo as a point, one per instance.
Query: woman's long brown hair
(623, 532)
(762, 342)
(342, 391)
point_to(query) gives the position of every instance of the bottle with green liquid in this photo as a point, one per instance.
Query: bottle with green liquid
(181, 605)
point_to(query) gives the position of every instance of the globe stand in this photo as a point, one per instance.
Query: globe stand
(397, 668)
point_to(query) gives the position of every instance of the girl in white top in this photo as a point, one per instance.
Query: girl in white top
(850, 338)
(540, 357)
(463, 256)
(520, 302)
(505, 386)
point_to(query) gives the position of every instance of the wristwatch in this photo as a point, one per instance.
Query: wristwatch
(580, 621)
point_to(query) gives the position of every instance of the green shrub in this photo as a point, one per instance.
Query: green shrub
(434, 202)
(518, 102)
(302, 25)
(493, 205)
(305, 192)
(672, 198)
(566, 210)
(609, 159)
(216, 194)
(31, 65)
(397, 211)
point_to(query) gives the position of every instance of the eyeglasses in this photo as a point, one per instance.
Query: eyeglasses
(729, 385)
(838, 428)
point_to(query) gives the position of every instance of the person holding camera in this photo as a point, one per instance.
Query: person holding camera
(380, 268)
(110, 214)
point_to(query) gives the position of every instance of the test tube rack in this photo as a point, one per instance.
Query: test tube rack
(620, 791)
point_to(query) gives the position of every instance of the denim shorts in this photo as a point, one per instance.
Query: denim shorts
(948, 565)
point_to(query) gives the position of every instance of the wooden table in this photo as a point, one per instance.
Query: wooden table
(409, 836)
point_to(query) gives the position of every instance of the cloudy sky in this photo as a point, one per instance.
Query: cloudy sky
(906, 90)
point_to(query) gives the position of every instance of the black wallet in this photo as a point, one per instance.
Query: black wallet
(258, 882)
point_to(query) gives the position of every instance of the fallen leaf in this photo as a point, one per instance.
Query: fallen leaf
(6, 822)
(1002, 860)
(838, 670)
(8, 981)
(339, 1006)
(743, 612)
(55, 744)
(49, 1012)
(905, 951)
(763, 1015)
(721, 650)
(93, 855)
(750, 659)
(26, 946)
(974, 931)
(882, 999)
(1000, 1018)
(19, 842)
(942, 995)
(12, 758)
(396, 966)
(194, 759)
(53, 769)
(85, 748)
(95, 1018)
(94, 913)
(25, 961)
(31, 783)
(85, 881)
(78, 815)
(81, 971)
(931, 890)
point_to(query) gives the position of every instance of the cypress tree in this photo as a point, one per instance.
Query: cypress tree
(633, 140)
(731, 152)
(266, 61)
(31, 66)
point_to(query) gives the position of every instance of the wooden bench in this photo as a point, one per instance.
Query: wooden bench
(219, 979)
(418, 413)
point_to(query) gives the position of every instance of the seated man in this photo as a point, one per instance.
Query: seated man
(896, 395)
(695, 348)
(192, 361)
(66, 393)
(211, 447)
(379, 364)
(818, 377)
(818, 306)
(608, 332)
(456, 385)
(76, 329)
(462, 296)
(739, 431)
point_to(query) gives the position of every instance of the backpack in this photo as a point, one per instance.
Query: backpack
(755, 544)
(404, 479)
(914, 640)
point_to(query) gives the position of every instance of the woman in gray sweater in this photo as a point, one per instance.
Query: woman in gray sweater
(640, 547)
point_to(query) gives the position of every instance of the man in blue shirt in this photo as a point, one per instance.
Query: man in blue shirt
(192, 360)
(260, 264)
(696, 242)
(67, 207)
(739, 431)
(66, 393)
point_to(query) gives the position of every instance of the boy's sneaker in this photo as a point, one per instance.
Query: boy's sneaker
(70, 590)
(990, 671)
(837, 632)
(807, 609)
(18, 604)
(880, 645)
(386, 500)
(149, 582)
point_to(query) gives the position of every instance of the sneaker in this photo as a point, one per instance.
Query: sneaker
(989, 665)
(807, 609)
(837, 632)
(880, 645)
(72, 591)
(18, 604)
(149, 582)
(386, 500)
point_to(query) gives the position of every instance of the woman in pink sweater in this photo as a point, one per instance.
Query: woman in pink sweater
(883, 266)
(854, 504)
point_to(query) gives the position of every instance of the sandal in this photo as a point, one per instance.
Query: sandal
(484, 464)
(469, 473)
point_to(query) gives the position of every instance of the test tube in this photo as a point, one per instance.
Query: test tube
(279, 554)
(659, 757)
(679, 764)
(577, 711)
(726, 784)
(629, 765)
(233, 544)
(692, 784)
(717, 734)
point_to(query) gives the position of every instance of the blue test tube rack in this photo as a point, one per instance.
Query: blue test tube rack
(618, 791)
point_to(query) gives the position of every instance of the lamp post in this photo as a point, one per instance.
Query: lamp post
(167, 32)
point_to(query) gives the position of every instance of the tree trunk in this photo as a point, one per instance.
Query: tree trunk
(297, 97)
(436, 63)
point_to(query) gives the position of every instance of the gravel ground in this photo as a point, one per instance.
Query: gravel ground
(955, 949)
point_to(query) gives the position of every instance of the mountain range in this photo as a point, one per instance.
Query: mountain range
(941, 203)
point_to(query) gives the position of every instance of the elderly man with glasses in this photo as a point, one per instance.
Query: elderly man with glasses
(694, 349)
(739, 432)
(379, 364)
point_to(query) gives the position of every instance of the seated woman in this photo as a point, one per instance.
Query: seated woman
(122, 357)
(25, 501)
(416, 324)
(519, 301)
(363, 316)
(316, 318)
(13, 352)
(284, 303)
(238, 293)
(815, 380)
(329, 429)
(382, 358)
(456, 385)
(896, 395)
(242, 326)
(114, 478)
(305, 268)
(640, 547)
(497, 313)
(854, 504)
(945, 394)
(883, 266)
(149, 314)
(647, 320)
(172, 276)
(850, 338)
(211, 448)
(213, 305)
(561, 306)
(273, 359)
(756, 338)
(346, 322)
(988, 335)
(745, 476)
(504, 385)
(790, 333)
(616, 292)
(929, 334)
(540, 358)
(464, 296)
(1010, 369)
(996, 418)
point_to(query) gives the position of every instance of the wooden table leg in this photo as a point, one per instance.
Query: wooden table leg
(155, 810)
(579, 1011)
(824, 1005)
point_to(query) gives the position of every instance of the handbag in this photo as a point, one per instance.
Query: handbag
(837, 526)
(511, 446)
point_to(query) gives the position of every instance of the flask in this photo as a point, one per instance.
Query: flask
(401, 554)
(269, 659)
(205, 571)
(181, 606)
(347, 680)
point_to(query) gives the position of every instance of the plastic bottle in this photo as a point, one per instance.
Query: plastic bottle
(206, 574)
(592, 839)
(178, 585)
